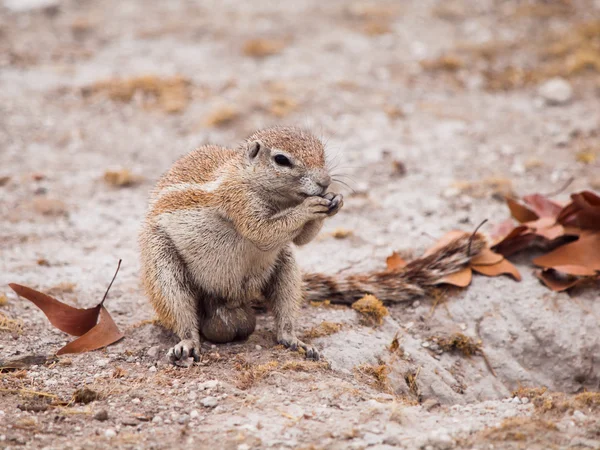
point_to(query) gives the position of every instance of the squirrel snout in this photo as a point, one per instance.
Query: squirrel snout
(323, 181)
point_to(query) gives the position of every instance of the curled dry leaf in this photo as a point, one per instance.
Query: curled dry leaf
(486, 262)
(395, 261)
(462, 278)
(94, 325)
(504, 267)
(584, 252)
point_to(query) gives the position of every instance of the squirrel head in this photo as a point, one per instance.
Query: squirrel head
(288, 163)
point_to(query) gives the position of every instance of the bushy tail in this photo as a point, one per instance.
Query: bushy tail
(414, 280)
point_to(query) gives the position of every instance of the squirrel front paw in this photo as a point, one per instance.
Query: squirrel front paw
(293, 343)
(316, 207)
(187, 348)
(336, 201)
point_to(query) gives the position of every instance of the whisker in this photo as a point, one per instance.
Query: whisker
(345, 184)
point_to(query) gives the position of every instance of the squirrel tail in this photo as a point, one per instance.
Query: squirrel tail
(416, 279)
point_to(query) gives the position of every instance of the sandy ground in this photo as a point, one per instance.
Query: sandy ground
(431, 111)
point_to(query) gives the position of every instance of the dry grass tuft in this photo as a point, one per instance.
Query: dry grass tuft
(372, 310)
(305, 366)
(119, 372)
(282, 105)
(10, 325)
(252, 374)
(62, 288)
(529, 393)
(445, 63)
(586, 156)
(171, 94)
(341, 233)
(378, 376)
(561, 403)
(322, 330)
(85, 396)
(121, 178)
(411, 382)
(520, 429)
(261, 47)
(223, 115)
(458, 342)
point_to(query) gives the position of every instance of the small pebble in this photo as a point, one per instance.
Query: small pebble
(194, 414)
(243, 447)
(102, 362)
(156, 419)
(135, 401)
(524, 400)
(516, 400)
(207, 385)
(182, 419)
(258, 347)
(152, 369)
(101, 415)
(556, 91)
(209, 402)
(110, 433)
(154, 352)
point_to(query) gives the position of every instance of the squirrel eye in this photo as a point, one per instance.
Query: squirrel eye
(283, 160)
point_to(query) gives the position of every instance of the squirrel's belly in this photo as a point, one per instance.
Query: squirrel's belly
(219, 259)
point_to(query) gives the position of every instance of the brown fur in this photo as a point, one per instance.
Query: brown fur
(399, 285)
(218, 232)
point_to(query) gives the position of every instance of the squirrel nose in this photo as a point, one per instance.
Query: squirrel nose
(324, 181)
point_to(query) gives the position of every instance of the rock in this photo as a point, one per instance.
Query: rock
(194, 414)
(516, 400)
(101, 415)
(208, 385)
(524, 400)
(157, 419)
(102, 362)
(154, 352)
(183, 419)
(243, 447)
(110, 433)
(209, 402)
(152, 369)
(578, 415)
(556, 91)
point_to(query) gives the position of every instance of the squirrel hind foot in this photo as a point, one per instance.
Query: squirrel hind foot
(229, 324)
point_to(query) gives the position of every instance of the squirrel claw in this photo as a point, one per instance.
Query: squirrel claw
(336, 204)
(294, 343)
(187, 348)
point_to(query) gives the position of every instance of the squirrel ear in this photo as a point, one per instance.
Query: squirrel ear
(254, 148)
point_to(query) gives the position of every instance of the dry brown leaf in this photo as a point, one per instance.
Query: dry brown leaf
(583, 211)
(94, 325)
(395, 261)
(557, 281)
(121, 178)
(583, 252)
(170, 94)
(486, 258)
(542, 206)
(462, 278)
(262, 47)
(575, 270)
(104, 333)
(520, 212)
(221, 116)
(505, 267)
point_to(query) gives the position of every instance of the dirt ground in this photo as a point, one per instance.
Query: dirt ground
(432, 111)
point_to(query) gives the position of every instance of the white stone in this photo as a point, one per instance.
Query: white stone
(194, 414)
(556, 91)
(110, 433)
(153, 352)
(102, 362)
(152, 369)
(516, 400)
(157, 419)
(207, 385)
(524, 400)
(209, 402)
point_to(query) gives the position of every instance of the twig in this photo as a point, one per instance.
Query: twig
(111, 283)
(30, 392)
(564, 186)
(488, 364)
(473, 235)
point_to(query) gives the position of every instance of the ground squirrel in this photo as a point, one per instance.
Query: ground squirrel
(218, 235)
